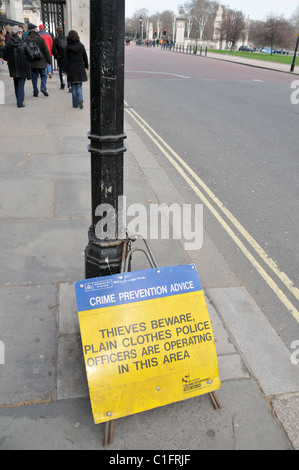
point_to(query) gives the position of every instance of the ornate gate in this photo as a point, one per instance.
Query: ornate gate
(53, 15)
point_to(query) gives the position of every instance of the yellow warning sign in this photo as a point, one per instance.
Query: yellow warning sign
(147, 340)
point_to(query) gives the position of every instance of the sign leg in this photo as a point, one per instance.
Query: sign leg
(109, 433)
(215, 400)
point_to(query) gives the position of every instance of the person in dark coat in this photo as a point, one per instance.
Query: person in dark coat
(18, 56)
(39, 67)
(59, 46)
(75, 66)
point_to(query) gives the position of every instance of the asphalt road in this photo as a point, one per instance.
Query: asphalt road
(236, 128)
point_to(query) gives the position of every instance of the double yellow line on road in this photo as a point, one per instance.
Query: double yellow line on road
(198, 187)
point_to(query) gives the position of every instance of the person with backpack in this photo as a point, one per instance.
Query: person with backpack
(42, 56)
(75, 66)
(18, 56)
(59, 46)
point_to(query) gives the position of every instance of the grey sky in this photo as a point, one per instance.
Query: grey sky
(256, 9)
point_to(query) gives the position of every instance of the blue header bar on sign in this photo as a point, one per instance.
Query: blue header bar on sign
(136, 286)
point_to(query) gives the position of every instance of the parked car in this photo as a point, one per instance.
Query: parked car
(246, 49)
(266, 50)
(281, 51)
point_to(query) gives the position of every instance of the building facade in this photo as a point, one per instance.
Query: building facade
(70, 14)
(11, 10)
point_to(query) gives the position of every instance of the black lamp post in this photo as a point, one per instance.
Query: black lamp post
(294, 59)
(107, 26)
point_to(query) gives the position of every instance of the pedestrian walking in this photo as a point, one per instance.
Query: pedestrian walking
(2, 41)
(38, 66)
(49, 41)
(7, 34)
(18, 56)
(59, 47)
(25, 32)
(75, 66)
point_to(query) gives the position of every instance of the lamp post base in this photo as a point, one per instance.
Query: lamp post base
(102, 258)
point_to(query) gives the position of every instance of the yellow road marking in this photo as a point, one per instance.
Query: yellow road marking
(259, 250)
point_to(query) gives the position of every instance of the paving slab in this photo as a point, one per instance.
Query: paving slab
(74, 145)
(58, 166)
(13, 166)
(287, 411)
(27, 130)
(28, 331)
(72, 198)
(55, 129)
(143, 156)
(40, 144)
(189, 425)
(42, 251)
(71, 375)
(266, 355)
(162, 186)
(26, 199)
(131, 171)
(143, 194)
(218, 274)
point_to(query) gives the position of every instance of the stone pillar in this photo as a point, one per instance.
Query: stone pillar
(247, 28)
(77, 18)
(189, 27)
(217, 26)
(150, 32)
(180, 30)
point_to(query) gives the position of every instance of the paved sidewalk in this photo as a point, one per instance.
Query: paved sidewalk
(44, 217)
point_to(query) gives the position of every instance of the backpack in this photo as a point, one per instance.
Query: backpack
(35, 50)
